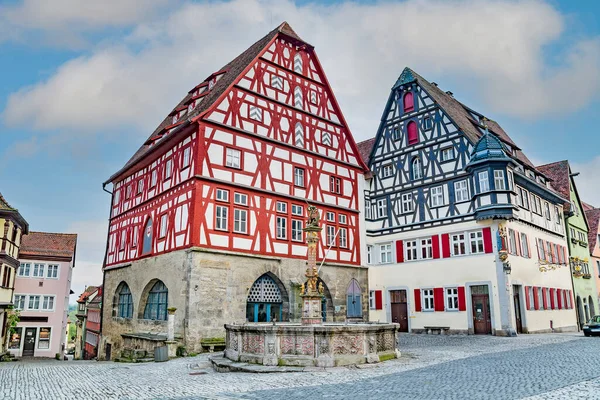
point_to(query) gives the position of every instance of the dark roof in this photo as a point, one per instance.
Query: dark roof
(232, 71)
(593, 217)
(87, 293)
(364, 149)
(488, 148)
(39, 244)
(558, 172)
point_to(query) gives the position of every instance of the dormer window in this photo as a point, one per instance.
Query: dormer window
(191, 106)
(413, 133)
(408, 101)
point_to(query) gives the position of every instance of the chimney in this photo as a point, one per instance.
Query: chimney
(450, 93)
(434, 84)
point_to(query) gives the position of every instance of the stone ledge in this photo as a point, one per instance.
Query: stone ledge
(230, 253)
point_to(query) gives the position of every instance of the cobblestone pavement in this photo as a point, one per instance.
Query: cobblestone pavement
(548, 366)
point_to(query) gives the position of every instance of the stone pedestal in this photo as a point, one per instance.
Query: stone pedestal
(172, 348)
(171, 323)
(312, 309)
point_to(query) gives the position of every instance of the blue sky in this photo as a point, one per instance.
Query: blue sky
(83, 85)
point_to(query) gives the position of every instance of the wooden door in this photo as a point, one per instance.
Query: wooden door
(482, 323)
(517, 302)
(29, 342)
(399, 308)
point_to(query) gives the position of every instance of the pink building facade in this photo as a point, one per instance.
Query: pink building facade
(42, 289)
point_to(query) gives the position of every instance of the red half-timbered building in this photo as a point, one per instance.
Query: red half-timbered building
(207, 216)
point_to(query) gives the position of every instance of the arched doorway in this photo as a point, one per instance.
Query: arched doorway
(580, 312)
(267, 300)
(592, 308)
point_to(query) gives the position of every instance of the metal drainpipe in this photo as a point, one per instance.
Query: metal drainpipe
(571, 273)
(102, 304)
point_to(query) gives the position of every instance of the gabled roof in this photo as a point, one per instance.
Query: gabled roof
(7, 209)
(593, 217)
(460, 114)
(558, 172)
(364, 149)
(45, 244)
(87, 293)
(232, 71)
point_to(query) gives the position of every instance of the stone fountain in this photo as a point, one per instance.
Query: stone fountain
(311, 342)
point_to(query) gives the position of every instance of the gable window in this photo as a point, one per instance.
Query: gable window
(298, 63)
(407, 203)
(381, 208)
(326, 138)
(427, 299)
(385, 253)
(281, 228)
(256, 113)
(447, 154)
(240, 221)
(387, 171)
(437, 196)
(452, 299)
(299, 135)
(459, 244)
(156, 305)
(241, 199)
(140, 186)
(461, 191)
(476, 239)
(168, 168)
(298, 177)
(297, 230)
(298, 97)
(163, 226)
(233, 158)
(128, 191)
(153, 178)
(427, 123)
(335, 185)
(524, 245)
(222, 195)
(408, 101)
(396, 133)
(186, 157)
(413, 133)
(499, 180)
(417, 169)
(484, 182)
(411, 249)
(125, 304)
(221, 218)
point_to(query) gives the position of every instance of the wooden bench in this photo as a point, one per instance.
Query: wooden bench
(213, 344)
(440, 329)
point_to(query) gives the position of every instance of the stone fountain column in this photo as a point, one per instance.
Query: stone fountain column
(312, 294)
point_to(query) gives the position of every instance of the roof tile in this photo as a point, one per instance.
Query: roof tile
(37, 244)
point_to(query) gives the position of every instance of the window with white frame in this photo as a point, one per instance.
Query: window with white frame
(123, 239)
(38, 270)
(34, 302)
(48, 303)
(233, 158)
(447, 154)
(128, 191)
(512, 242)
(426, 248)
(297, 230)
(140, 186)
(407, 202)
(452, 299)
(437, 196)
(427, 124)
(524, 246)
(547, 205)
(540, 298)
(222, 195)
(541, 249)
(368, 210)
(24, 269)
(117, 197)
(557, 215)
(510, 180)
(396, 133)
(153, 178)
(330, 216)
(281, 207)
(381, 208)
(484, 182)
(411, 250)
(387, 171)
(281, 228)
(44, 338)
(459, 247)
(221, 218)
(256, 113)
(372, 299)
(297, 210)
(385, 253)
(342, 219)
(186, 157)
(163, 226)
(461, 191)
(370, 255)
(343, 237)
(476, 239)
(168, 168)
(19, 302)
(299, 177)
(499, 180)
(330, 235)
(427, 299)
(525, 196)
(240, 221)
(335, 185)
(417, 168)
(240, 198)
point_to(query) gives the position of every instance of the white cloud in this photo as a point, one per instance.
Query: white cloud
(494, 49)
(587, 181)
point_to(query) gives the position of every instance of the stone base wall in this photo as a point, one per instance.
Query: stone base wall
(210, 289)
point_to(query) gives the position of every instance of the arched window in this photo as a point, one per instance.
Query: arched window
(299, 135)
(157, 303)
(354, 300)
(264, 301)
(417, 168)
(147, 244)
(412, 132)
(298, 97)
(298, 63)
(125, 304)
(409, 103)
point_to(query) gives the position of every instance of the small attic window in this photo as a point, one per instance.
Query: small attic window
(191, 106)
(530, 174)
(174, 120)
(211, 83)
(201, 90)
(408, 101)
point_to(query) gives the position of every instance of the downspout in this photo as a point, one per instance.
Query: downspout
(102, 304)
(571, 273)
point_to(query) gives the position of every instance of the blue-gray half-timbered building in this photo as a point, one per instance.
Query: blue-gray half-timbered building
(463, 233)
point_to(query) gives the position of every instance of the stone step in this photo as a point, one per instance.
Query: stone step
(222, 364)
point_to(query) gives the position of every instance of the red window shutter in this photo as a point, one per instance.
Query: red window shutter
(417, 299)
(409, 103)
(378, 300)
(462, 304)
(552, 305)
(445, 245)
(487, 240)
(571, 298)
(399, 251)
(518, 250)
(413, 133)
(438, 299)
(560, 299)
(536, 301)
(527, 298)
(545, 298)
(565, 302)
(435, 246)
(566, 258)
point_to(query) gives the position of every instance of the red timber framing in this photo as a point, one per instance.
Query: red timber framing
(272, 140)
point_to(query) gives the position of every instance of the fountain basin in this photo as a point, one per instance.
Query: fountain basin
(323, 345)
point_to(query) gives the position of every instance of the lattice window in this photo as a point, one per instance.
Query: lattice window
(264, 290)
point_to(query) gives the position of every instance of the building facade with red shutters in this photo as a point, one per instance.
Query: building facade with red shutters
(463, 233)
(207, 216)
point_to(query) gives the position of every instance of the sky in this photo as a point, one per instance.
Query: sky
(83, 84)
